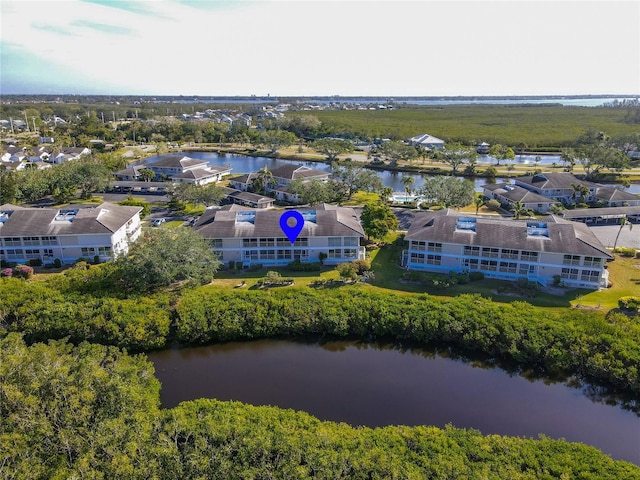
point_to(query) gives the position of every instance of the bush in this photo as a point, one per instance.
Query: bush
(57, 263)
(35, 262)
(23, 271)
(493, 205)
(625, 251)
(254, 267)
(475, 276)
(322, 257)
(7, 272)
(362, 266)
(232, 264)
(629, 303)
(298, 266)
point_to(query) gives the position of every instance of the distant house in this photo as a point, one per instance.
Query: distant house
(68, 153)
(282, 177)
(508, 195)
(130, 173)
(483, 148)
(66, 234)
(254, 236)
(246, 199)
(183, 169)
(558, 186)
(427, 141)
(614, 197)
(13, 154)
(536, 250)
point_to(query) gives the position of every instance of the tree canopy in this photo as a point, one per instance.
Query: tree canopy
(449, 191)
(378, 219)
(162, 257)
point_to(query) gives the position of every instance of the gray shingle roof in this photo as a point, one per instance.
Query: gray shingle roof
(564, 236)
(176, 161)
(612, 194)
(554, 180)
(517, 194)
(106, 218)
(198, 173)
(330, 222)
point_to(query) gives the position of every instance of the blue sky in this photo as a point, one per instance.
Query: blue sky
(331, 47)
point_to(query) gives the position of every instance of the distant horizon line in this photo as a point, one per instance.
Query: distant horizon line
(268, 96)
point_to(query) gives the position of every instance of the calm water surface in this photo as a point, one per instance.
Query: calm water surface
(364, 384)
(244, 164)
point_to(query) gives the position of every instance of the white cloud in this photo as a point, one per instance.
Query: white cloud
(346, 48)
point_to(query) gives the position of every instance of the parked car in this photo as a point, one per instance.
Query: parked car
(157, 222)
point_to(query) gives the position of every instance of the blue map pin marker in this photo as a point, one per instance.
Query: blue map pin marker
(291, 232)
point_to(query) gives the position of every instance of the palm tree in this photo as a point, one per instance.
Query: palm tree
(519, 210)
(264, 179)
(479, 202)
(408, 182)
(579, 191)
(623, 221)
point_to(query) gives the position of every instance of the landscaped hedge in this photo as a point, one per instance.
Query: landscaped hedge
(569, 342)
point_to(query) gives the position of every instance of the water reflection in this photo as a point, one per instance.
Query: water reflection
(377, 384)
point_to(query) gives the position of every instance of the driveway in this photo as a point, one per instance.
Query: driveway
(607, 235)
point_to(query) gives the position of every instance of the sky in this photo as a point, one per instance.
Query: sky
(313, 48)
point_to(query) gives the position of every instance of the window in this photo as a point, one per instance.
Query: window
(334, 253)
(267, 242)
(590, 276)
(49, 240)
(47, 253)
(490, 252)
(434, 259)
(88, 251)
(471, 264)
(104, 251)
(490, 265)
(12, 242)
(335, 241)
(31, 241)
(527, 256)
(571, 260)
(434, 247)
(508, 253)
(250, 254)
(31, 254)
(350, 253)
(420, 246)
(508, 267)
(267, 254)
(249, 242)
(216, 243)
(302, 255)
(283, 242)
(301, 242)
(284, 254)
(471, 251)
(14, 254)
(592, 262)
(570, 273)
(351, 241)
(417, 258)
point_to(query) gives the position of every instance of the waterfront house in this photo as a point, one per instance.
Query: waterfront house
(614, 197)
(251, 237)
(67, 234)
(536, 250)
(508, 195)
(282, 178)
(183, 169)
(559, 186)
(427, 141)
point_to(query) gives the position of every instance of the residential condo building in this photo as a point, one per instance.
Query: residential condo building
(537, 250)
(67, 234)
(249, 236)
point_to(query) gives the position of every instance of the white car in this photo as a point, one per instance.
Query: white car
(157, 222)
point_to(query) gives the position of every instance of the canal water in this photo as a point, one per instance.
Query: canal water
(374, 385)
(244, 164)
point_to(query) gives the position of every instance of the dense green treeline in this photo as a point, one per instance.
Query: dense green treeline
(92, 411)
(527, 126)
(605, 350)
(565, 343)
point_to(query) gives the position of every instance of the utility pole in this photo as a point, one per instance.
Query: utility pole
(11, 121)
(102, 117)
(26, 120)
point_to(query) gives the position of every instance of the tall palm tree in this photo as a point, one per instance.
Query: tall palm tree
(479, 202)
(624, 221)
(264, 179)
(579, 192)
(519, 210)
(407, 182)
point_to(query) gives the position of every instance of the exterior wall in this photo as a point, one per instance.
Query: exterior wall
(279, 251)
(507, 264)
(68, 248)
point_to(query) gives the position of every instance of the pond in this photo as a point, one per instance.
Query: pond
(245, 164)
(376, 385)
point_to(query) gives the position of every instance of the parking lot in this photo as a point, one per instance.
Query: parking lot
(607, 235)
